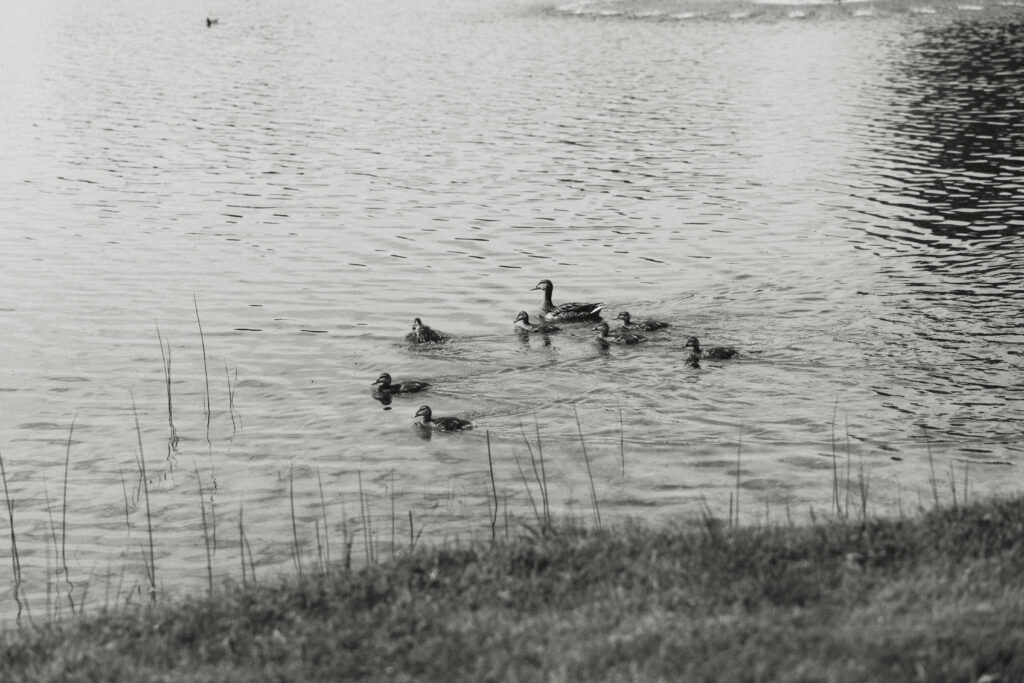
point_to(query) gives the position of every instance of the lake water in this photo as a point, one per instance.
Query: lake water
(836, 190)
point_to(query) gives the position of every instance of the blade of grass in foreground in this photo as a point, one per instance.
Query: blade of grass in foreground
(590, 474)
(206, 533)
(64, 517)
(494, 490)
(15, 559)
(206, 371)
(151, 567)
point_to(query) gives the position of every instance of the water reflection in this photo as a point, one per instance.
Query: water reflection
(953, 163)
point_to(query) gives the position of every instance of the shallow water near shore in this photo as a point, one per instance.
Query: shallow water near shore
(833, 189)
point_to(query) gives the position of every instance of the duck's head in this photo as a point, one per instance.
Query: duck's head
(416, 323)
(423, 412)
(522, 315)
(384, 379)
(624, 317)
(544, 284)
(602, 326)
(692, 343)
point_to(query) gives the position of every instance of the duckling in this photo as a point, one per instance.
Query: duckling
(645, 325)
(383, 385)
(523, 324)
(422, 334)
(714, 353)
(568, 312)
(621, 337)
(211, 22)
(440, 424)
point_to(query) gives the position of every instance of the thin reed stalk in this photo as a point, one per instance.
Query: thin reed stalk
(529, 493)
(413, 538)
(494, 489)
(206, 534)
(622, 438)
(151, 566)
(296, 553)
(252, 560)
(15, 557)
(952, 482)
(127, 518)
(739, 450)
(392, 492)
(206, 372)
(232, 385)
(967, 465)
(835, 465)
(849, 465)
(504, 507)
(348, 539)
(364, 510)
(165, 356)
(323, 511)
(590, 474)
(538, 474)
(931, 464)
(864, 485)
(543, 472)
(56, 551)
(321, 565)
(64, 517)
(241, 546)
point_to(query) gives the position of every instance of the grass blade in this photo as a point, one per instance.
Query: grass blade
(15, 558)
(64, 517)
(590, 474)
(206, 372)
(151, 571)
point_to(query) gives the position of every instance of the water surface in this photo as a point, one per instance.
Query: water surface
(835, 190)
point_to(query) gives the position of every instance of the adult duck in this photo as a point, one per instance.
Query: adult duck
(423, 334)
(440, 424)
(713, 353)
(523, 324)
(619, 338)
(645, 325)
(383, 385)
(568, 312)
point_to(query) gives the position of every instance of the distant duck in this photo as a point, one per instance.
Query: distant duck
(713, 353)
(211, 22)
(523, 324)
(569, 312)
(621, 337)
(383, 385)
(440, 424)
(422, 334)
(645, 325)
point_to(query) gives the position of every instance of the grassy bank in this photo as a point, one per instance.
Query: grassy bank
(937, 598)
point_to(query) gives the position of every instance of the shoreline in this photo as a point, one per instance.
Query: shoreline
(936, 596)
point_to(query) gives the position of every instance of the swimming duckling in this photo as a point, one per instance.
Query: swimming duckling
(568, 312)
(714, 353)
(383, 385)
(645, 325)
(440, 424)
(422, 334)
(621, 337)
(211, 22)
(523, 324)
